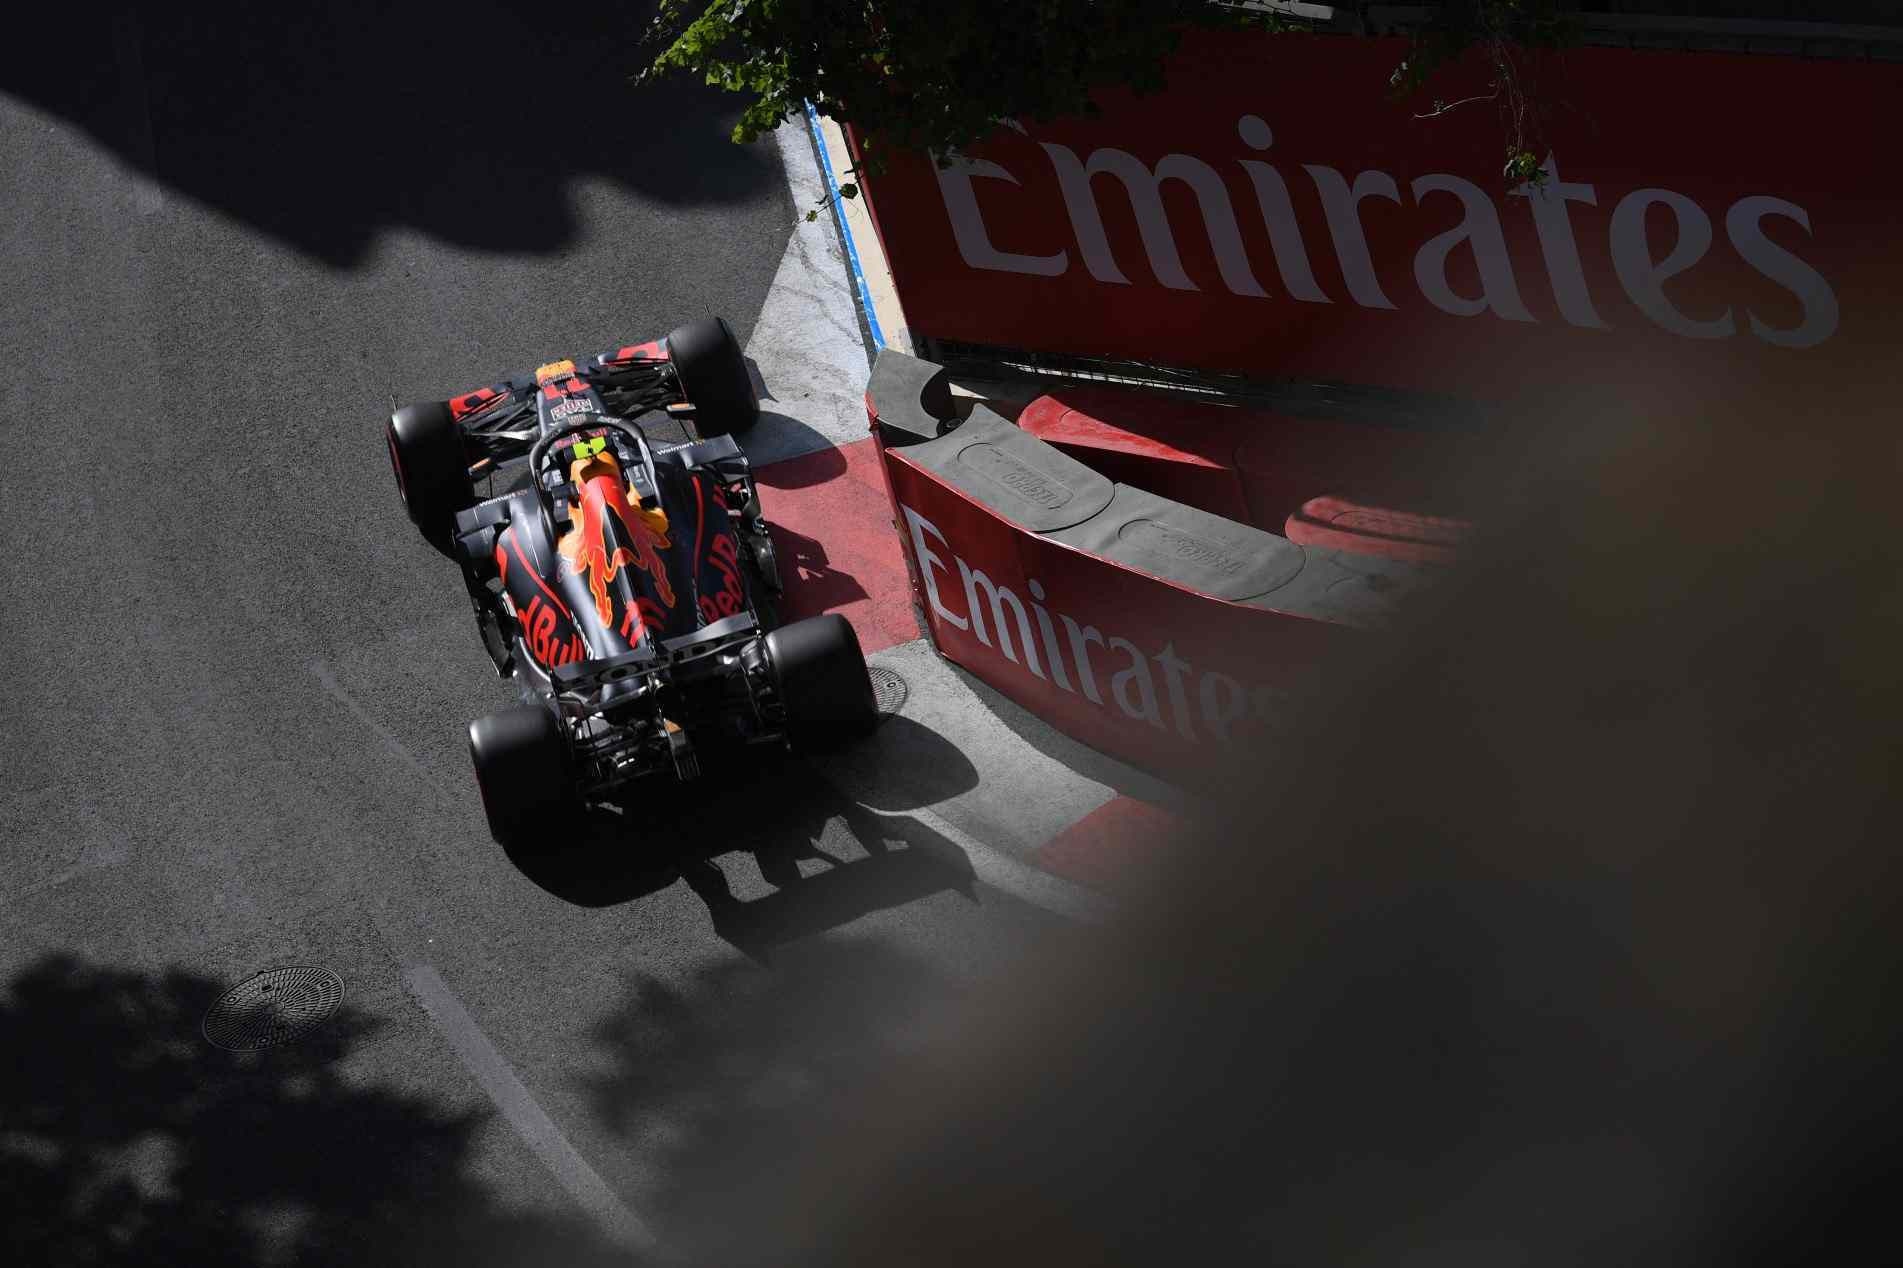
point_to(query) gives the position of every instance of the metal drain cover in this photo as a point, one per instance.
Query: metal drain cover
(889, 691)
(274, 1007)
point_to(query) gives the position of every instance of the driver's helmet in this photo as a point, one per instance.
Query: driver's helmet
(590, 456)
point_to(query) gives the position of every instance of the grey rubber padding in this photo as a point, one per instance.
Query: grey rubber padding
(1038, 487)
(1016, 474)
(911, 397)
(1205, 552)
(1336, 585)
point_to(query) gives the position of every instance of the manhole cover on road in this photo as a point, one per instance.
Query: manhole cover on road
(274, 1007)
(888, 690)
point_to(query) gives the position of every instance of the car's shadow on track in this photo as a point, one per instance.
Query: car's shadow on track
(812, 585)
(801, 455)
(776, 808)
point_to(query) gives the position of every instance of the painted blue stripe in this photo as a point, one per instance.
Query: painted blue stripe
(845, 230)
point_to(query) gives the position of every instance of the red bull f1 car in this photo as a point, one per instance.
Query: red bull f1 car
(626, 588)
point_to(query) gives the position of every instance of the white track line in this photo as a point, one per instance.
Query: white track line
(492, 1070)
(334, 689)
(472, 1047)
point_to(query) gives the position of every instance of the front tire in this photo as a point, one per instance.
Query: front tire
(714, 377)
(823, 681)
(432, 470)
(523, 770)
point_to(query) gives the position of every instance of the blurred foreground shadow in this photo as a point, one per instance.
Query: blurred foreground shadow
(1565, 932)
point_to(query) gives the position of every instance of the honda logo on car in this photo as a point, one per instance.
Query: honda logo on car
(1197, 702)
(1641, 273)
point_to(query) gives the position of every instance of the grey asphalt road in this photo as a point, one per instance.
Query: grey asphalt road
(236, 682)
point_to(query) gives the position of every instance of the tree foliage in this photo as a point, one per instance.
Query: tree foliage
(924, 77)
(941, 76)
(1501, 31)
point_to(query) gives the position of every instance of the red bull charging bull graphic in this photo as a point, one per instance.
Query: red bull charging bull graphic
(609, 536)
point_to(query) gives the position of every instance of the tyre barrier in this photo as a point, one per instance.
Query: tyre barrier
(1154, 630)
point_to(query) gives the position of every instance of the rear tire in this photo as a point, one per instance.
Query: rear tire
(432, 469)
(523, 771)
(823, 681)
(714, 377)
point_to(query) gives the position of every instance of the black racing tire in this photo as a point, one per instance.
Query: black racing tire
(432, 469)
(823, 681)
(525, 775)
(714, 377)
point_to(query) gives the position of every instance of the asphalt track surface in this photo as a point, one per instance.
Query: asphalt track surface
(237, 681)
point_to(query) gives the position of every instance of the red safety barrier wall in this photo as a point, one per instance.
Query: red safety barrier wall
(1319, 482)
(1274, 212)
(1155, 674)
(1187, 452)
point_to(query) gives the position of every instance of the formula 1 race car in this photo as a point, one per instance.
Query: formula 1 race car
(626, 589)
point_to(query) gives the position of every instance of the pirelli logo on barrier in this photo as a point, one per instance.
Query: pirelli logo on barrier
(1116, 674)
(1153, 538)
(1027, 482)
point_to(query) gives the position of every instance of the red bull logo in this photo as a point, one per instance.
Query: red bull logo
(636, 618)
(547, 638)
(724, 556)
(588, 551)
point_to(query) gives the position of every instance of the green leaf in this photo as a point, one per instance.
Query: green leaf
(940, 77)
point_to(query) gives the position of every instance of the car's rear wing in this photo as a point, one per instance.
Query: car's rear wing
(584, 681)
